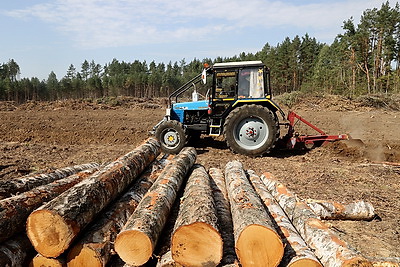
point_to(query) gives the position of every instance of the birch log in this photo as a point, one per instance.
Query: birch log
(94, 248)
(53, 227)
(256, 240)
(136, 242)
(26, 183)
(224, 215)
(15, 251)
(14, 210)
(196, 240)
(331, 210)
(327, 246)
(297, 253)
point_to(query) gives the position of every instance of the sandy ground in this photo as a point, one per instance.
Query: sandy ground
(40, 136)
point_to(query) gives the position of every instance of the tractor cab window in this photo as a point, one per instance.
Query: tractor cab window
(225, 86)
(251, 83)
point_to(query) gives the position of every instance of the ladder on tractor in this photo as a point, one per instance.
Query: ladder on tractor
(215, 126)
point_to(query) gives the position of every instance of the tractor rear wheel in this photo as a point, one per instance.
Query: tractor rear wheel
(251, 130)
(172, 136)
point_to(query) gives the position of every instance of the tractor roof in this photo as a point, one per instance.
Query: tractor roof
(238, 64)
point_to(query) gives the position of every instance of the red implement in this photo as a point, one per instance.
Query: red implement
(292, 138)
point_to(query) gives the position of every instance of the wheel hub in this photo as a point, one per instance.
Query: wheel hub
(251, 133)
(171, 138)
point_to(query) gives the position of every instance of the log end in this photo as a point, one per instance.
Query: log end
(49, 234)
(258, 245)
(84, 256)
(197, 244)
(305, 263)
(39, 261)
(133, 247)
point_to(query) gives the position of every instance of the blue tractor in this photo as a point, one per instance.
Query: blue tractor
(238, 106)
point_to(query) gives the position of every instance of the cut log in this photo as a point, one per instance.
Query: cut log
(327, 246)
(94, 248)
(14, 210)
(136, 242)
(166, 260)
(53, 227)
(26, 183)
(42, 261)
(196, 240)
(256, 241)
(224, 215)
(15, 252)
(331, 210)
(297, 253)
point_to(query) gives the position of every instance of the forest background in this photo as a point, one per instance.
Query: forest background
(363, 59)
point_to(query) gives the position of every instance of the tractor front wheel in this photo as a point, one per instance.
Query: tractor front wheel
(251, 130)
(171, 136)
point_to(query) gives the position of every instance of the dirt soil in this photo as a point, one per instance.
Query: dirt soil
(41, 136)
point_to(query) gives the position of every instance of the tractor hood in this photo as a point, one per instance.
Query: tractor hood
(179, 109)
(197, 105)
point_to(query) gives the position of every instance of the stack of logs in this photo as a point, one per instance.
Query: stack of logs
(149, 209)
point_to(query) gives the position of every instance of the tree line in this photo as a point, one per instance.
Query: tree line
(363, 59)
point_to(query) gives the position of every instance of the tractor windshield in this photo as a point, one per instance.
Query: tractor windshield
(251, 83)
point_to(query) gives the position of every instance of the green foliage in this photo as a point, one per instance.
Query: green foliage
(363, 59)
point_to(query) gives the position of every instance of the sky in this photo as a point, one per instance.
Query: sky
(50, 35)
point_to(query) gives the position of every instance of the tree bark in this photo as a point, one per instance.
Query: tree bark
(331, 210)
(166, 260)
(42, 261)
(26, 183)
(196, 240)
(94, 248)
(297, 253)
(136, 242)
(224, 215)
(327, 246)
(14, 210)
(53, 227)
(15, 252)
(256, 240)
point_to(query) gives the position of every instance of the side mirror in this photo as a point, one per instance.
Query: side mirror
(204, 76)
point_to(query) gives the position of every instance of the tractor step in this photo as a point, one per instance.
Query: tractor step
(215, 127)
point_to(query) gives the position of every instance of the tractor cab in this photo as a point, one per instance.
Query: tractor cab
(230, 86)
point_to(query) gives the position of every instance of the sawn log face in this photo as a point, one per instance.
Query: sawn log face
(94, 248)
(136, 242)
(14, 210)
(196, 240)
(297, 253)
(256, 240)
(53, 227)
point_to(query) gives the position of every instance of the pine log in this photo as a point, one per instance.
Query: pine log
(15, 252)
(224, 215)
(331, 210)
(26, 183)
(42, 261)
(256, 241)
(14, 210)
(94, 248)
(297, 253)
(196, 240)
(327, 246)
(53, 227)
(137, 240)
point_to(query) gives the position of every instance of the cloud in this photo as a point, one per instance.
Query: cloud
(115, 23)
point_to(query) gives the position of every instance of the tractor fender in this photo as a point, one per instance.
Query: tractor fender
(268, 103)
